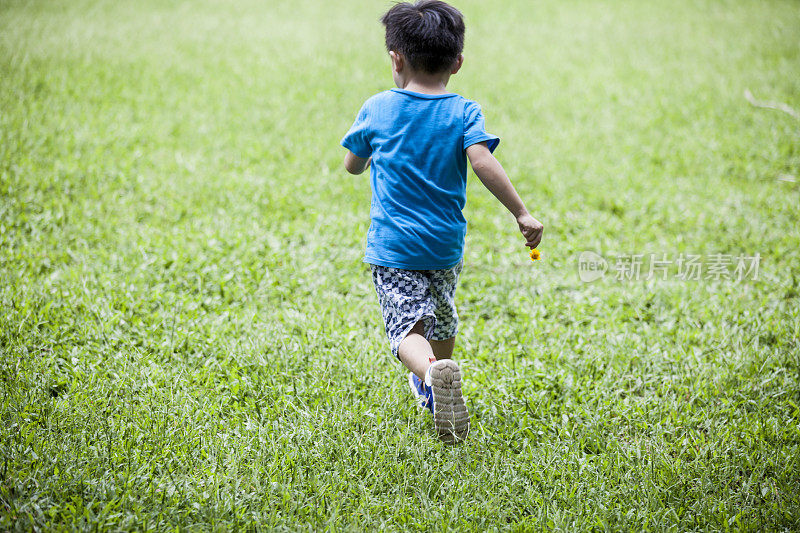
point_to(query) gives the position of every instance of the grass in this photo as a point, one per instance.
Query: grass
(189, 339)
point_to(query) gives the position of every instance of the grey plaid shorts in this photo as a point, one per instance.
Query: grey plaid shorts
(408, 296)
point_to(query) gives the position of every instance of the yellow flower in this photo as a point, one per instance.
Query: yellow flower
(535, 255)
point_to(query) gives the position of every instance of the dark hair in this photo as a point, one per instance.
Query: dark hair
(429, 33)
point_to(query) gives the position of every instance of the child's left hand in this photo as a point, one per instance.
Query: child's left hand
(531, 229)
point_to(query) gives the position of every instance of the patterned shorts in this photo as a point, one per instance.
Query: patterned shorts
(408, 296)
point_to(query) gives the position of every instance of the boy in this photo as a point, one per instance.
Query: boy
(417, 139)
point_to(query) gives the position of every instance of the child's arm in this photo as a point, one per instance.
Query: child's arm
(494, 178)
(354, 164)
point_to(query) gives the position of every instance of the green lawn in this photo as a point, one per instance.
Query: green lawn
(188, 337)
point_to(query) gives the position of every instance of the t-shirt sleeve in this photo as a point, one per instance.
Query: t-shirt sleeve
(357, 139)
(475, 129)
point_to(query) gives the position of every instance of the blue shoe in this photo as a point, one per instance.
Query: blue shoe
(421, 391)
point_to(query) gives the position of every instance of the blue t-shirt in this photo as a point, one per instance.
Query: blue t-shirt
(418, 174)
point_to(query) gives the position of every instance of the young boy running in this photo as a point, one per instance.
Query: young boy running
(417, 139)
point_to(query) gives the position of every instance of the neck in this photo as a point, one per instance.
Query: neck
(422, 82)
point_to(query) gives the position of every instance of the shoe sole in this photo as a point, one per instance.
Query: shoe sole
(450, 417)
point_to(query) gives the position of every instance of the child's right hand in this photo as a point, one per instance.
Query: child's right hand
(531, 229)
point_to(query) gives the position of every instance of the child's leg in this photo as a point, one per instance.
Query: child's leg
(443, 349)
(416, 352)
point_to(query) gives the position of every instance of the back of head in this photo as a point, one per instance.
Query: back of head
(429, 33)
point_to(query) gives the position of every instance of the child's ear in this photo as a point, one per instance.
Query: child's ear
(458, 63)
(397, 61)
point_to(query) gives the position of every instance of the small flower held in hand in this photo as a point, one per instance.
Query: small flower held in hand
(535, 255)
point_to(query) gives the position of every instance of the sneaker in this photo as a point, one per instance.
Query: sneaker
(450, 417)
(422, 392)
